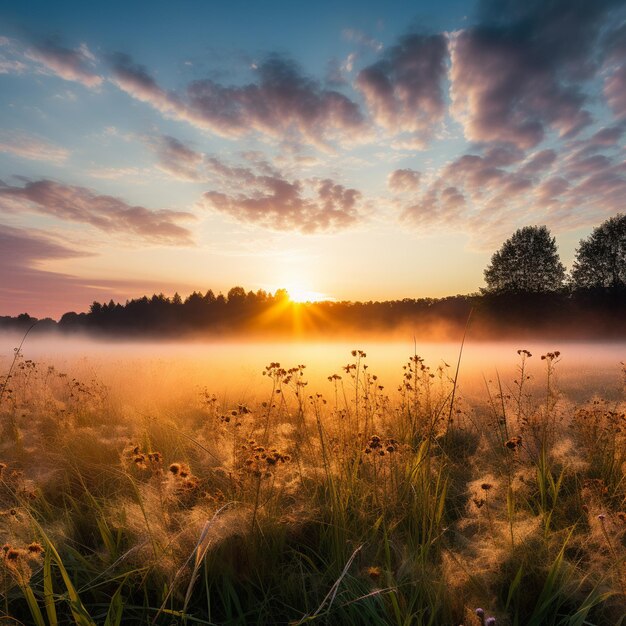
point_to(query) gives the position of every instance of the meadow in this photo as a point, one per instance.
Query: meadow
(330, 484)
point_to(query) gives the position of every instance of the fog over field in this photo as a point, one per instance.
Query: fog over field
(149, 373)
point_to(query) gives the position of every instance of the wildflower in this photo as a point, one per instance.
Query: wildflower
(480, 612)
(602, 517)
(486, 486)
(175, 468)
(34, 548)
(12, 555)
(490, 621)
(373, 572)
(513, 443)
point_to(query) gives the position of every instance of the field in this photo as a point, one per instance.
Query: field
(138, 488)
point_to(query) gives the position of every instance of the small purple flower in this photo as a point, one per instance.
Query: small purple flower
(602, 517)
(480, 612)
(491, 621)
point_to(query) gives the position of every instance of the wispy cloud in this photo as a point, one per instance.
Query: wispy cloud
(615, 70)
(27, 283)
(109, 214)
(404, 90)
(28, 146)
(282, 103)
(176, 158)
(519, 72)
(69, 64)
(488, 195)
(271, 200)
(406, 180)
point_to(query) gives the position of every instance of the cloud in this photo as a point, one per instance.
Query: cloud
(615, 69)
(11, 61)
(360, 38)
(109, 214)
(27, 146)
(283, 103)
(136, 81)
(27, 286)
(73, 65)
(271, 200)
(519, 73)
(488, 195)
(177, 159)
(404, 89)
(404, 180)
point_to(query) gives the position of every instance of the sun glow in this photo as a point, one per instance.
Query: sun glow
(300, 295)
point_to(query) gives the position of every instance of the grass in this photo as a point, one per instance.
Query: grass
(352, 506)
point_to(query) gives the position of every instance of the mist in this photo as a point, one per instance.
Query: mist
(147, 374)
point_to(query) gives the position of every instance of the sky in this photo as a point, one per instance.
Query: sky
(347, 150)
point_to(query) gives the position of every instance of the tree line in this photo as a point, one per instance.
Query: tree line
(527, 291)
(529, 261)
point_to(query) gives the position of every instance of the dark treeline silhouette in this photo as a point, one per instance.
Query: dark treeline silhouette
(527, 293)
(584, 313)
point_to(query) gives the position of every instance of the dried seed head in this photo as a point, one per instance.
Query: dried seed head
(34, 548)
(12, 555)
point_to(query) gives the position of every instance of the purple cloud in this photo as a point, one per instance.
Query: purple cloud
(517, 74)
(27, 146)
(406, 180)
(282, 103)
(109, 214)
(176, 158)
(72, 65)
(135, 80)
(404, 90)
(272, 201)
(578, 187)
(615, 68)
(27, 286)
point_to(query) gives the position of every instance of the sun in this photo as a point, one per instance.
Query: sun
(300, 294)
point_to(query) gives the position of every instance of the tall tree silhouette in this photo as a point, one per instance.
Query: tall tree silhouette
(601, 258)
(527, 262)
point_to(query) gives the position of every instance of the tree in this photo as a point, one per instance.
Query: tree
(601, 258)
(527, 262)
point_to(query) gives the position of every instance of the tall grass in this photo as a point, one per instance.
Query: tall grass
(347, 505)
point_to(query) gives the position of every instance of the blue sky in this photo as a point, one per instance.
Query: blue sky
(355, 150)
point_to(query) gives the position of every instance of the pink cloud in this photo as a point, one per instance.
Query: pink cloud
(109, 214)
(135, 80)
(26, 285)
(615, 70)
(403, 90)
(177, 159)
(73, 65)
(282, 104)
(405, 180)
(272, 201)
(28, 146)
(519, 73)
